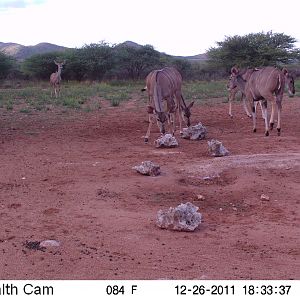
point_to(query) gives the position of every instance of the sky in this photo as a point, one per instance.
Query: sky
(176, 27)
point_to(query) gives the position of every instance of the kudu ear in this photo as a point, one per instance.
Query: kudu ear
(285, 71)
(234, 70)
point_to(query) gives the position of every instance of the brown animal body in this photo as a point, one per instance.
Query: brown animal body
(55, 79)
(264, 84)
(233, 91)
(165, 98)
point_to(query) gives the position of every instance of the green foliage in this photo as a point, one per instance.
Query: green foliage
(74, 95)
(6, 65)
(96, 60)
(183, 66)
(88, 97)
(254, 50)
(41, 66)
(199, 90)
(135, 62)
(9, 105)
(74, 68)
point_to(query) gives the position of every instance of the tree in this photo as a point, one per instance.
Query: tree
(135, 62)
(254, 50)
(183, 66)
(6, 65)
(96, 60)
(75, 68)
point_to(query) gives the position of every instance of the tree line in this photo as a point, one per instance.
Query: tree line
(102, 61)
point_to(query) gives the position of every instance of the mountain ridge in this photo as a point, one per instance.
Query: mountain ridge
(21, 52)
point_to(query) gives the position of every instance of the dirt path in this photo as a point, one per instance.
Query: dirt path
(68, 177)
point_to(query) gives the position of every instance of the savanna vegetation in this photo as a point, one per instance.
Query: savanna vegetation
(116, 72)
(255, 50)
(90, 96)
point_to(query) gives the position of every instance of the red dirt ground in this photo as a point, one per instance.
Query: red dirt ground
(68, 176)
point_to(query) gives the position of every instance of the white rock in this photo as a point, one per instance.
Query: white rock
(148, 168)
(216, 148)
(264, 197)
(184, 217)
(200, 197)
(166, 141)
(50, 243)
(196, 132)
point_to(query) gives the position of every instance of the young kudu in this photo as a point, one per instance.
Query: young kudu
(165, 84)
(233, 91)
(264, 84)
(55, 79)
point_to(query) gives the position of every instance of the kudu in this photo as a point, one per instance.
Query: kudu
(264, 84)
(233, 91)
(55, 79)
(165, 84)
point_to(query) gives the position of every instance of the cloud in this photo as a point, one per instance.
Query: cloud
(11, 4)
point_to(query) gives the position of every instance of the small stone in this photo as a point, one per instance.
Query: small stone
(216, 148)
(49, 243)
(184, 217)
(196, 132)
(166, 141)
(264, 197)
(148, 168)
(200, 197)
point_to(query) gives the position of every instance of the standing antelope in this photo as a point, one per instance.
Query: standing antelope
(264, 84)
(55, 79)
(233, 91)
(165, 84)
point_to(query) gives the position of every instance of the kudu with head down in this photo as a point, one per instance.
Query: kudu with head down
(165, 98)
(265, 84)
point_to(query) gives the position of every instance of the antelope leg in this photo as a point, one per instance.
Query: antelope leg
(146, 138)
(245, 106)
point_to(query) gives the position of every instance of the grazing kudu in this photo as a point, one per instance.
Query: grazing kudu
(55, 79)
(264, 84)
(233, 91)
(165, 84)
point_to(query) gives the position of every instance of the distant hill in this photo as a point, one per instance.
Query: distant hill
(21, 52)
(130, 44)
(194, 58)
(198, 57)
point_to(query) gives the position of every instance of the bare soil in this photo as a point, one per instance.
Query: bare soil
(68, 176)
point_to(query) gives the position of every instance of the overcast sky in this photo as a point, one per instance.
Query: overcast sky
(176, 27)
